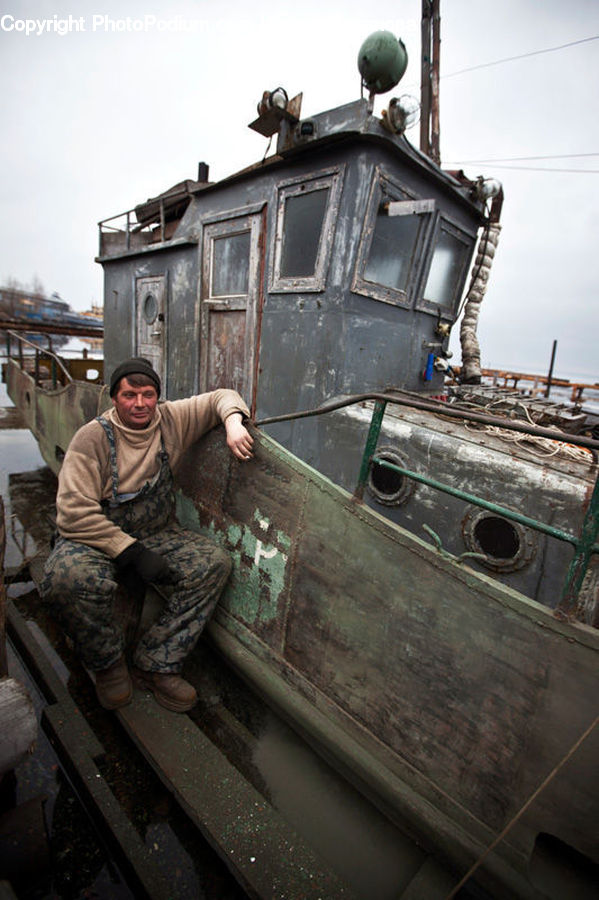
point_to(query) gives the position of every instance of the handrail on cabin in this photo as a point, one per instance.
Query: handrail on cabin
(584, 545)
(444, 409)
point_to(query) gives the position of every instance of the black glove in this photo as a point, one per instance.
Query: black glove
(138, 566)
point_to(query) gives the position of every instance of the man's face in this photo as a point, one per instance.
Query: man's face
(135, 405)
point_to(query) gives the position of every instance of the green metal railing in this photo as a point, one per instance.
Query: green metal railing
(584, 544)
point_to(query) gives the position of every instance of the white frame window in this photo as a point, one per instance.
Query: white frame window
(330, 181)
(448, 306)
(415, 220)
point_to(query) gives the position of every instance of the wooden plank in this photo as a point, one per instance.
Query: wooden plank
(3, 665)
(18, 724)
(132, 856)
(266, 856)
(78, 748)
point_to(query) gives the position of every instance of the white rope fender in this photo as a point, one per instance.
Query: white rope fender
(471, 368)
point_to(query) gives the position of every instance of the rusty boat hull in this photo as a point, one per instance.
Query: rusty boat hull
(446, 697)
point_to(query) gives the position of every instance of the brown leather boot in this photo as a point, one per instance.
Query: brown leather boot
(113, 685)
(169, 689)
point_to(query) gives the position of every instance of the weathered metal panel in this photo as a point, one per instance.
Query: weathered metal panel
(555, 488)
(440, 678)
(178, 269)
(260, 583)
(411, 655)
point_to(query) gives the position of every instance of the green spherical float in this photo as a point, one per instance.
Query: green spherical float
(382, 61)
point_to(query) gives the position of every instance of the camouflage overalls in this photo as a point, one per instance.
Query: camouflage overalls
(80, 582)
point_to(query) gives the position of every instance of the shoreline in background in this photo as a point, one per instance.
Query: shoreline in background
(558, 374)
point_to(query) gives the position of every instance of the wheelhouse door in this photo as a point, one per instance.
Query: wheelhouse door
(150, 298)
(231, 273)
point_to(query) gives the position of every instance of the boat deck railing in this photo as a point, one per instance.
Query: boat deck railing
(584, 544)
(44, 365)
(124, 232)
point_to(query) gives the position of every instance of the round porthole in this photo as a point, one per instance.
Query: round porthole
(506, 545)
(150, 308)
(387, 486)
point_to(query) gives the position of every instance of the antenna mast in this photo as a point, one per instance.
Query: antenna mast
(429, 80)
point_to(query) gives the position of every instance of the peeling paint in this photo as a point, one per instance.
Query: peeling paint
(256, 589)
(258, 581)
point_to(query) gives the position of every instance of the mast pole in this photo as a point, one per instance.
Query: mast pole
(550, 374)
(425, 77)
(435, 123)
(430, 29)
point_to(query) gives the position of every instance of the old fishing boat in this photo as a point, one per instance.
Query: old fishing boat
(448, 672)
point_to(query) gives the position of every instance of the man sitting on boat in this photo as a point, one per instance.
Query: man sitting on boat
(115, 519)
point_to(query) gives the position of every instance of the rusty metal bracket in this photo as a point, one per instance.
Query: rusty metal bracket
(469, 554)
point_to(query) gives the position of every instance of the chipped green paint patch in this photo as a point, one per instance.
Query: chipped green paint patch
(260, 557)
(260, 554)
(186, 513)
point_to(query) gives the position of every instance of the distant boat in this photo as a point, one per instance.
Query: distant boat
(18, 305)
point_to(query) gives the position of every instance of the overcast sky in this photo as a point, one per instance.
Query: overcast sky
(133, 95)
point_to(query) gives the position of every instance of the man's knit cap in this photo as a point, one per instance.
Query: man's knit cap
(137, 365)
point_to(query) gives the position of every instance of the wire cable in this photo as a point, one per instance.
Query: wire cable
(468, 162)
(499, 62)
(547, 169)
(523, 809)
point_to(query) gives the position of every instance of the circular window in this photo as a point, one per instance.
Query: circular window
(507, 546)
(150, 308)
(386, 485)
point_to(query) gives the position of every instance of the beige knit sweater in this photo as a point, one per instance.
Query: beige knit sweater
(85, 478)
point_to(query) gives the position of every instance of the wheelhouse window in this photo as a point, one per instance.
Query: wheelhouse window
(230, 265)
(302, 232)
(395, 233)
(306, 214)
(452, 250)
(392, 250)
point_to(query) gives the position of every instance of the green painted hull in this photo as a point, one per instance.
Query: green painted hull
(53, 416)
(445, 696)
